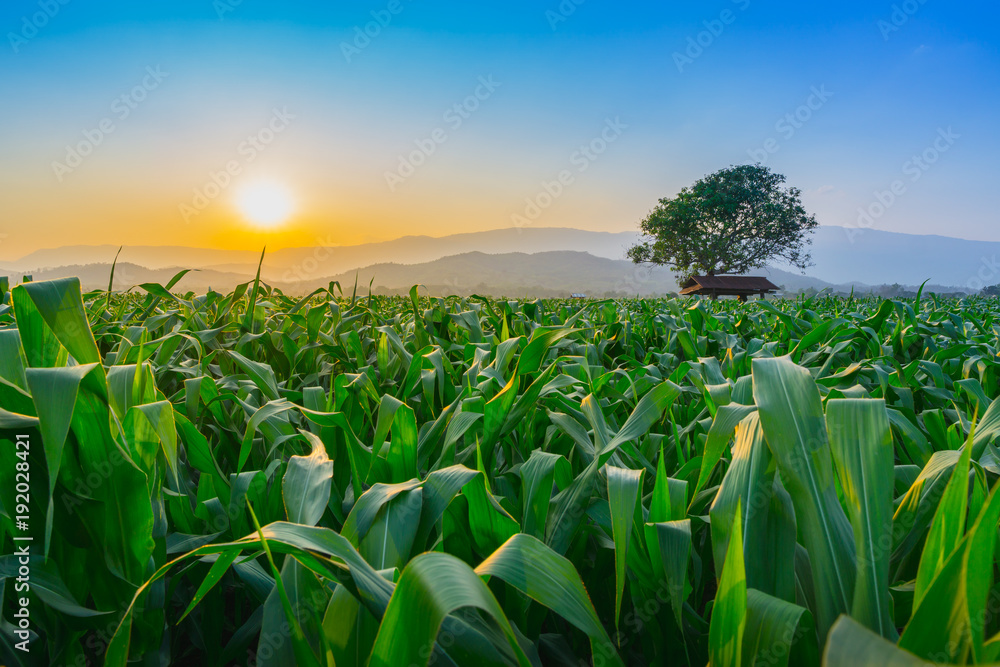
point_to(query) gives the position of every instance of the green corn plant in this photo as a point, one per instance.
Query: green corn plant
(330, 479)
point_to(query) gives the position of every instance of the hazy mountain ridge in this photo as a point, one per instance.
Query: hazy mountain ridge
(329, 258)
(548, 274)
(538, 262)
(873, 257)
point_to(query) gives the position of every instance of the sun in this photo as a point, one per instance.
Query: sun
(266, 205)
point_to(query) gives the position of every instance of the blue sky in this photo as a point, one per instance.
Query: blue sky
(885, 81)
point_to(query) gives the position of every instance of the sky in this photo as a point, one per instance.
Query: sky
(235, 123)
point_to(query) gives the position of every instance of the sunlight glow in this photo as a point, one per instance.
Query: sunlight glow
(266, 205)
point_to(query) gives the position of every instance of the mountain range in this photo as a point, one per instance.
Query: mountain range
(518, 262)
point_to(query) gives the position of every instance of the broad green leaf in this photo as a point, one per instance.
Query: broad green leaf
(729, 613)
(723, 427)
(431, 587)
(534, 352)
(402, 454)
(747, 485)
(851, 644)
(778, 633)
(947, 528)
(791, 414)
(624, 488)
(861, 443)
(669, 545)
(647, 412)
(160, 417)
(659, 504)
(215, 574)
(305, 487)
(261, 374)
(987, 429)
(11, 364)
(53, 308)
(531, 567)
(45, 582)
(947, 623)
(538, 474)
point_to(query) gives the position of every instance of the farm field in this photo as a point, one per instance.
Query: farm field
(345, 479)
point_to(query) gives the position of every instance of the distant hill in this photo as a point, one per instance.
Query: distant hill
(151, 257)
(546, 274)
(128, 275)
(517, 274)
(539, 274)
(875, 257)
(328, 258)
(542, 261)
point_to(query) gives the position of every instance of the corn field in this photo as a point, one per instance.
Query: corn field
(344, 479)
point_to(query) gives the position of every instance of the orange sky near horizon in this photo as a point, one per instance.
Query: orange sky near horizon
(141, 219)
(116, 199)
(141, 188)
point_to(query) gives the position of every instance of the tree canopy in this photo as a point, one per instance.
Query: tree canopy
(732, 221)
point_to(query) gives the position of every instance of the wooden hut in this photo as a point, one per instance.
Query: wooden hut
(738, 286)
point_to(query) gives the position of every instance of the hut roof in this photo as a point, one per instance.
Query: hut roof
(728, 285)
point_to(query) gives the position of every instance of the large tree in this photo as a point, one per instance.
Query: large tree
(733, 221)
